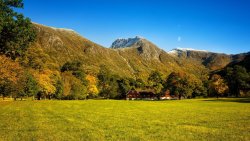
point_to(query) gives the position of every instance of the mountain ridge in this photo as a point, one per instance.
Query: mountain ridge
(138, 59)
(113, 45)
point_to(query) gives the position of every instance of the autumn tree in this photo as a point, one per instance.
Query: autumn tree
(46, 83)
(16, 31)
(73, 87)
(218, 85)
(75, 84)
(10, 75)
(35, 58)
(92, 86)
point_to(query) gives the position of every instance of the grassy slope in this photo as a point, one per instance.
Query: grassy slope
(125, 120)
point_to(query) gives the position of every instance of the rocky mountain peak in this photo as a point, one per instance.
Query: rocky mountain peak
(123, 42)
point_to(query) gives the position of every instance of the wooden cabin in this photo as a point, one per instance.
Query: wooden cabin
(142, 95)
(148, 95)
(132, 95)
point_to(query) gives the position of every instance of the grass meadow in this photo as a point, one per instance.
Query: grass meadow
(197, 119)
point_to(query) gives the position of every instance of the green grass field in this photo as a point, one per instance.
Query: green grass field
(199, 119)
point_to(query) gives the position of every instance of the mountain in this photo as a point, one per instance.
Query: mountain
(122, 43)
(141, 46)
(63, 45)
(134, 57)
(211, 60)
(241, 60)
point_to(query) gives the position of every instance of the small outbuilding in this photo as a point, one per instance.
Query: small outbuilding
(132, 95)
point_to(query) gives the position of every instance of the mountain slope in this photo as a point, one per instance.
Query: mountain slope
(137, 59)
(64, 45)
(146, 56)
(241, 60)
(211, 60)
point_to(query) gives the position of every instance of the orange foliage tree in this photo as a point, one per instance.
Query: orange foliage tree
(218, 85)
(11, 74)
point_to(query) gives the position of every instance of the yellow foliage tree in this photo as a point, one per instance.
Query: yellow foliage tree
(46, 82)
(92, 87)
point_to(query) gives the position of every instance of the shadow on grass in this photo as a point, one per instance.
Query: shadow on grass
(239, 100)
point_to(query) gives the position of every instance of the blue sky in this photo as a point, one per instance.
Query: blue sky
(214, 25)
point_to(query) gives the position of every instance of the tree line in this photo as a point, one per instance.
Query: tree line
(71, 82)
